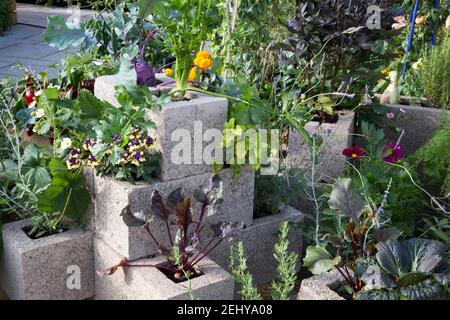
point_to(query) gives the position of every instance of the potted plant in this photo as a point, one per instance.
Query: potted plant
(179, 272)
(45, 255)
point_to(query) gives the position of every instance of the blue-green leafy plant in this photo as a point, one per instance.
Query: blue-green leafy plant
(413, 269)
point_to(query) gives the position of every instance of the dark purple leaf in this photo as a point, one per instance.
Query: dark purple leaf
(145, 74)
(158, 208)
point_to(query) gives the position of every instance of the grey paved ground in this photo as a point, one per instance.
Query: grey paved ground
(23, 42)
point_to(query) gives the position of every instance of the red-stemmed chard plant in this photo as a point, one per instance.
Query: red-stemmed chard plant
(183, 251)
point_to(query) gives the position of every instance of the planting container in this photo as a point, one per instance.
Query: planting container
(418, 122)
(57, 267)
(336, 137)
(181, 123)
(321, 287)
(148, 283)
(111, 197)
(259, 240)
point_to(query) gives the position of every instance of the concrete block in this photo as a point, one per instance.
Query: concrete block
(151, 284)
(418, 122)
(259, 241)
(183, 122)
(112, 196)
(321, 287)
(336, 137)
(39, 269)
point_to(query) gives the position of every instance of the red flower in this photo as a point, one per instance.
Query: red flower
(392, 153)
(353, 152)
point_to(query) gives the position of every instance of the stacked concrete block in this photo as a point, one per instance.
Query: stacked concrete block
(112, 196)
(149, 283)
(193, 123)
(336, 137)
(259, 240)
(419, 123)
(13, 11)
(57, 267)
(322, 287)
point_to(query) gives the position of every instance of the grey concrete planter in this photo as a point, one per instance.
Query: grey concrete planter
(259, 240)
(321, 287)
(58, 267)
(149, 283)
(111, 197)
(185, 121)
(418, 122)
(336, 137)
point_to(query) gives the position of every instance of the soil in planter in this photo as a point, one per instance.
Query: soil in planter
(165, 269)
(323, 117)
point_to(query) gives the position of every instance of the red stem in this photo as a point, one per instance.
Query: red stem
(168, 231)
(204, 255)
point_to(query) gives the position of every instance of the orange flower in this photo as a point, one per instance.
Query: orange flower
(203, 54)
(193, 73)
(420, 20)
(168, 72)
(203, 60)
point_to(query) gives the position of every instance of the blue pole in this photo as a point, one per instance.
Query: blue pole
(433, 37)
(411, 35)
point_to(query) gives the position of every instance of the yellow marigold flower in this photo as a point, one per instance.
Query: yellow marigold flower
(385, 71)
(168, 72)
(203, 63)
(203, 54)
(193, 73)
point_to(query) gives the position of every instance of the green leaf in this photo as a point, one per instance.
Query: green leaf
(426, 290)
(346, 200)
(60, 35)
(391, 258)
(377, 294)
(146, 7)
(91, 107)
(318, 260)
(8, 171)
(57, 168)
(411, 279)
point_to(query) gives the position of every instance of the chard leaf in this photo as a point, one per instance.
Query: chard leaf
(346, 200)
(391, 258)
(184, 214)
(425, 290)
(377, 294)
(318, 260)
(158, 208)
(133, 219)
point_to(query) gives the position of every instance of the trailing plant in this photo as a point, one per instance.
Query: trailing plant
(115, 141)
(435, 74)
(286, 269)
(184, 251)
(413, 269)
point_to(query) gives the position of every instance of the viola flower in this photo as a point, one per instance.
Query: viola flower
(116, 138)
(124, 158)
(354, 152)
(137, 158)
(92, 161)
(73, 163)
(75, 153)
(88, 144)
(168, 72)
(134, 145)
(150, 142)
(392, 153)
(136, 133)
